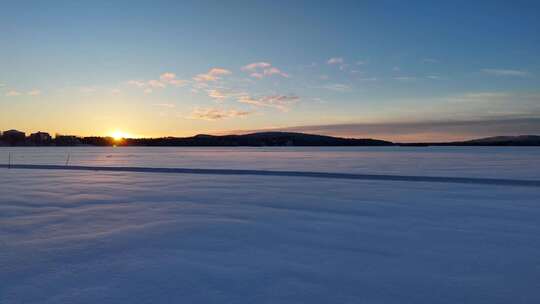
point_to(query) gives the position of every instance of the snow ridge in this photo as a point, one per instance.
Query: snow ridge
(312, 174)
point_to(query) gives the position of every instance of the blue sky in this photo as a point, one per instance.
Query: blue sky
(180, 68)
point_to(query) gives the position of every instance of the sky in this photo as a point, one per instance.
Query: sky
(395, 70)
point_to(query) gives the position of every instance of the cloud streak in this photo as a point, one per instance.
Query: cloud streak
(212, 114)
(405, 78)
(482, 97)
(340, 62)
(504, 72)
(34, 93)
(212, 75)
(217, 95)
(13, 93)
(338, 87)
(165, 79)
(280, 102)
(335, 60)
(263, 69)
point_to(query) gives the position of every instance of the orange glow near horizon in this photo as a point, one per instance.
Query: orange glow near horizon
(119, 135)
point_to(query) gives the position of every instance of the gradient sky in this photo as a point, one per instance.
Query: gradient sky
(398, 70)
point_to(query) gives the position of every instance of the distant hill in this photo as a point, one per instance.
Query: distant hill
(521, 140)
(257, 140)
(263, 139)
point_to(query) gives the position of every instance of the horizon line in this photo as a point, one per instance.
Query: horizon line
(406, 132)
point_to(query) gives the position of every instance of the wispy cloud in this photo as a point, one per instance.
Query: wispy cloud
(219, 95)
(339, 61)
(171, 79)
(13, 93)
(156, 84)
(256, 65)
(212, 75)
(137, 83)
(263, 69)
(481, 97)
(344, 67)
(216, 114)
(339, 87)
(168, 76)
(280, 102)
(164, 80)
(335, 60)
(473, 105)
(505, 72)
(405, 78)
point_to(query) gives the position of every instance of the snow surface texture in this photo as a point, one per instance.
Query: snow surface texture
(117, 237)
(487, 162)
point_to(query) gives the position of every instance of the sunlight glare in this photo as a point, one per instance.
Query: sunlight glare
(119, 135)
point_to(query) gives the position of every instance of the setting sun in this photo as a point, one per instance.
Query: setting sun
(119, 135)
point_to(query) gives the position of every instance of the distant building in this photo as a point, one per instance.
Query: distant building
(40, 138)
(13, 137)
(67, 140)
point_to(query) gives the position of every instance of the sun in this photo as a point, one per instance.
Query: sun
(119, 135)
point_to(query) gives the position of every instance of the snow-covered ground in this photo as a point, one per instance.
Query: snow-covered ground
(489, 162)
(117, 237)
